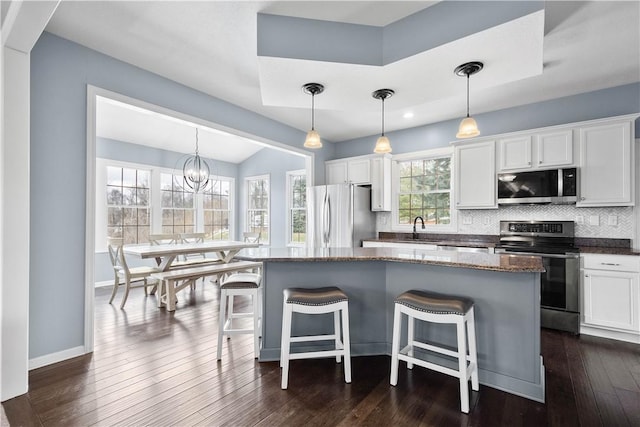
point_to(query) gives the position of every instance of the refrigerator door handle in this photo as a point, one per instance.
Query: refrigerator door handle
(326, 219)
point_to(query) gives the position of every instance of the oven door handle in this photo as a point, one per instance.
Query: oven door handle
(564, 256)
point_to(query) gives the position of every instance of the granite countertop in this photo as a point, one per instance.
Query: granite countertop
(585, 245)
(479, 261)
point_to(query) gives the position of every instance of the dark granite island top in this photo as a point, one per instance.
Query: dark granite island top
(480, 261)
(505, 290)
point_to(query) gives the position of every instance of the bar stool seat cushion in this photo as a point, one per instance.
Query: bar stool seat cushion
(315, 297)
(432, 302)
(241, 281)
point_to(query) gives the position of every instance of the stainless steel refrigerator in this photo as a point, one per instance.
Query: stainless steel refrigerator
(339, 216)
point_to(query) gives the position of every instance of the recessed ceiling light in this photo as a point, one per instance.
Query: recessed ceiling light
(408, 115)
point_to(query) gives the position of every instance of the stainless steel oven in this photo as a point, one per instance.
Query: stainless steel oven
(553, 241)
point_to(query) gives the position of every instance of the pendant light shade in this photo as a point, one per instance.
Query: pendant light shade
(383, 145)
(313, 137)
(196, 171)
(468, 126)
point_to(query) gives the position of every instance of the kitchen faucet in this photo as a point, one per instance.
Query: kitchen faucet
(415, 233)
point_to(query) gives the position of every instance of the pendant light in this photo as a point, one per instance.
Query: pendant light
(382, 144)
(196, 171)
(313, 138)
(468, 126)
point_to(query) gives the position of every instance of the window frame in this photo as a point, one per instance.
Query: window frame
(200, 203)
(101, 210)
(247, 210)
(290, 208)
(436, 153)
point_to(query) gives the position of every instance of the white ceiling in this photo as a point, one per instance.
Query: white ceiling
(211, 47)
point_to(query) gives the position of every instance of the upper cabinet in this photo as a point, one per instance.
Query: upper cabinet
(606, 164)
(536, 150)
(515, 153)
(381, 183)
(354, 170)
(475, 178)
(364, 170)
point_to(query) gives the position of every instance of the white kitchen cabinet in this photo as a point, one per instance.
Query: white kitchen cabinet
(606, 164)
(554, 148)
(381, 183)
(542, 150)
(515, 152)
(355, 170)
(611, 296)
(475, 177)
(336, 172)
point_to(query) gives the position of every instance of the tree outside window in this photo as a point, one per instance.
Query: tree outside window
(128, 211)
(425, 190)
(178, 206)
(217, 209)
(258, 206)
(297, 204)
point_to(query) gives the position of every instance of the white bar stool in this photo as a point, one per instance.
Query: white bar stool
(240, 284)
(437, 308)
(315, 301)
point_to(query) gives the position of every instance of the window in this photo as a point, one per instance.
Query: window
(128, 212)
(297, 207)
(424, 189)
(217, 208)
(258, 206)
(178, 207)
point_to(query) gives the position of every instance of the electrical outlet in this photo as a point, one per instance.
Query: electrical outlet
(612, 220)
(467, 220)
(486, 220)
(594, 220)
(579, 219)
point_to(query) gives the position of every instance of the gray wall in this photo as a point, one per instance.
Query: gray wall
(60, 73)
(276, 164)
(598, 104)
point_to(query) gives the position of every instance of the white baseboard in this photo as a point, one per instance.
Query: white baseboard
(52, 358)
(104, 284)
(614, 335)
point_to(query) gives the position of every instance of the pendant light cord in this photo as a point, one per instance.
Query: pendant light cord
(196, 141)
(382, 116)
(467, 94)
(313, 97)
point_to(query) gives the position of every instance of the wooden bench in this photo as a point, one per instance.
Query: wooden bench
(175, 280)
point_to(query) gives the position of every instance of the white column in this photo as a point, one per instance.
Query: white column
(14, 255)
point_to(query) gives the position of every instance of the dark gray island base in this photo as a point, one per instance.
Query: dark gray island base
(506, 291)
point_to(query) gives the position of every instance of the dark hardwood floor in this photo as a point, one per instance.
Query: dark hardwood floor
(156, 368)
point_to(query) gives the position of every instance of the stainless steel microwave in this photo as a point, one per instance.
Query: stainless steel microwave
(550, 186)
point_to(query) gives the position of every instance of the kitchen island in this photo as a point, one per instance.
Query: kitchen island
(506, 290)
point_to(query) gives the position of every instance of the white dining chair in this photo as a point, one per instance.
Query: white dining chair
(123, 272)
(251, 236)
(164, 239)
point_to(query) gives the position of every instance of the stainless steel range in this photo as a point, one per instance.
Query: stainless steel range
(554, 242)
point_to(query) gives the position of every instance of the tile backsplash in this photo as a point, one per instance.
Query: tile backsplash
(614, 223)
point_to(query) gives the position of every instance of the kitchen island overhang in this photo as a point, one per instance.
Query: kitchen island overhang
(506, 291)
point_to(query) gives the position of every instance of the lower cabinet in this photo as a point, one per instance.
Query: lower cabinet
(611, 296)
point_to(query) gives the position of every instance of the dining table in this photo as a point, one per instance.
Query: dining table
(165, 254)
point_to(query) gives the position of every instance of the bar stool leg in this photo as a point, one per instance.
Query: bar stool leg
(410, 337)
(222, 320)
(462, 366)
(473, 352)
(256, 323)
(395, 343)
(346, 342)
(336, 332)
(285, 345)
